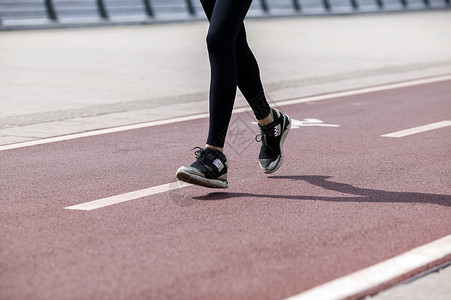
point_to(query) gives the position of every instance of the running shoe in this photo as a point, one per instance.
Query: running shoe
(209, 170)
(272, 137)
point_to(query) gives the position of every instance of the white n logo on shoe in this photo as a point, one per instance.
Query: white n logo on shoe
(277, 130)
(217, 162)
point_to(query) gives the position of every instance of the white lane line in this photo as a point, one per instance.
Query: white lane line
(380, 273)
(418, 129)
(308, 122)
(128, 196)
(102, 131)
(385, 87)
(237, 110)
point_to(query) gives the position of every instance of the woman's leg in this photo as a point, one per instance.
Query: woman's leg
(249, 81)
(226, 20)
(248, 73)
(274, 125)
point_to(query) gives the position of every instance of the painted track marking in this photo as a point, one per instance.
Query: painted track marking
(359, 91)
(308, 122)
(418, 129)
(380, 273)
(337, 289)
(128, 196)
(74, 136)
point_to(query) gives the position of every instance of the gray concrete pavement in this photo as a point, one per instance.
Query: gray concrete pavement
(436, 286)
(56, 82)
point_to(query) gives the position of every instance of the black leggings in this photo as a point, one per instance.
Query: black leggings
(232, 64)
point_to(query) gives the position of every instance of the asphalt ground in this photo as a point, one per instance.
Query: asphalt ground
(346, 198)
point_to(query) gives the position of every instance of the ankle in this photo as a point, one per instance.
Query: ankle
(216, 148)
(268, 120)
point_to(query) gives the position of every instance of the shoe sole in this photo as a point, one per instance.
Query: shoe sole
(199, 180)
(282, 140)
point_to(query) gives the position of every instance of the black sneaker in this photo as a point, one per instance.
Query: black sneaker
(272, 137)
(209, 170)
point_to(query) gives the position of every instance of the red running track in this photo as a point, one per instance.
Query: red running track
(344, 199)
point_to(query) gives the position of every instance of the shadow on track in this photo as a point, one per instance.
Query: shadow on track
(365, 195)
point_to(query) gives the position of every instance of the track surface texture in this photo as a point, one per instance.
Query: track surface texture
(344, 199)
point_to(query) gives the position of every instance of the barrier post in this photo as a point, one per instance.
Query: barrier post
(380, 4)
(102, 10)
(50, 10)
(355, 5)
(297, 5)
(148, 8)
(326, 5)
(265, 6)
(191, 9)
